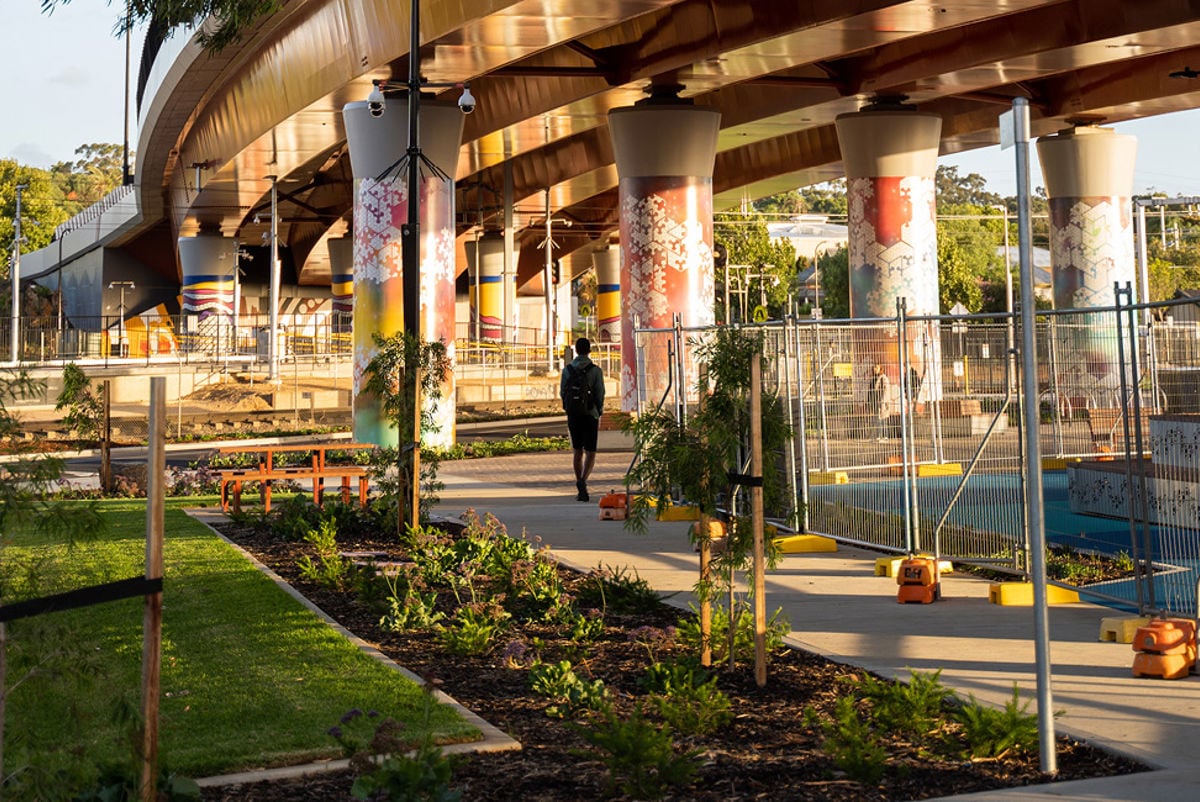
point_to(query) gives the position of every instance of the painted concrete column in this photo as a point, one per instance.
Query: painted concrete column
(665, 149)
(208, 261)
(890, 158)
(608, 294)
(341, 270)
(380, 212)
(1089, 180)
(485, 263)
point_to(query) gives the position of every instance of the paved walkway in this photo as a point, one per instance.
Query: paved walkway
(838, 608)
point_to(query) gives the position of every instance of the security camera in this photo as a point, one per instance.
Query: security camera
(375, 101)
(466, 101)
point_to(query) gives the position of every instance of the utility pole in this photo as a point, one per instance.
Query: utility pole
(273, 342)
(16, 278)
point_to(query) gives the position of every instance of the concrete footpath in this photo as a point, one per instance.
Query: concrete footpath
(838, 608)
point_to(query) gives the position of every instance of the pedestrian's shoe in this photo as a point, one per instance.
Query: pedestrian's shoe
(581, 486)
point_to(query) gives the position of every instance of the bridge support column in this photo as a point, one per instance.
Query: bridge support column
(341, 269)
(207, 261)
(665, 149)
(1089, 178)
(608, 294)
(890, 157)
(377, 144)
(487, 310)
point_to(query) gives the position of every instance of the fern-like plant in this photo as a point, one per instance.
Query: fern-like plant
(993, 734)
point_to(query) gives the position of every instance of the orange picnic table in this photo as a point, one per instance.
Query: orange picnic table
(318, 470)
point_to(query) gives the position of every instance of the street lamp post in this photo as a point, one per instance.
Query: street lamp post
(121, 285)
(816, 303)
(16, 278)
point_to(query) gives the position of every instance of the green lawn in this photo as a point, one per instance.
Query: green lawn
(249, 677)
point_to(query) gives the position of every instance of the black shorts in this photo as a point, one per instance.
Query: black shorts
(584, 430)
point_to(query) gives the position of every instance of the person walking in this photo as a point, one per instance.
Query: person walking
(877, 395)
(581, 389)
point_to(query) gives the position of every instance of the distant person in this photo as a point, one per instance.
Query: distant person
(877, 396)
(582, 391)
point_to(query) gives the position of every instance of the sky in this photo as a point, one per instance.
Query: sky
(65, 76)
(64, 79)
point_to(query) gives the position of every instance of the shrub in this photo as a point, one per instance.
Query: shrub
(392, 765)
(571, 694)
(915, 708)
(639, 753)
(992, 733)
(853, 745)
(615, 590)
(687, 698)
(330, 569)
(743, 635)
(473, 628)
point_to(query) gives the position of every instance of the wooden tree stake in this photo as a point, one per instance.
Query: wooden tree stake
(756, 519)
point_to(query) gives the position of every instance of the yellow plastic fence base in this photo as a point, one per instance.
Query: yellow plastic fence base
(805, 544)
(1121, 628)
(828, 478)
(682, 512)
(888, 566)
(939, 469)
(1058, 463)
(1020, 594)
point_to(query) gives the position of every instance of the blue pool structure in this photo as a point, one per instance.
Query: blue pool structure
(993, 502)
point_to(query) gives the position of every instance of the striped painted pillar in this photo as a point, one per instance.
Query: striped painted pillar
(1089, 180)
(380, 212)
(608, 294)
(341, 276)
(485, 263)
(665, 149)
(890, 158)
(208, 262)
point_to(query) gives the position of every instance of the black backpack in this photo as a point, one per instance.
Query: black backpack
(578, 398)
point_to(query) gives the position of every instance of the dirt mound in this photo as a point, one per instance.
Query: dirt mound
(230, 397)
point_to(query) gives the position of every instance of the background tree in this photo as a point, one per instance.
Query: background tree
(1172, 268)
(772, 263)
(41, 208)
(954, 190)
(828, 198)
(835, 283)
(98, 171)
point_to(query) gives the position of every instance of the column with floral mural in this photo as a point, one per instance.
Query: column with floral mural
(665, 149)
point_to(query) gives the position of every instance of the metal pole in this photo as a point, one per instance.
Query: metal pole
(509, 246)
(273, 343)
(789, 324)
(804, 519)
(910, 507)
(1029, 406)
(16, 278)
(58, 292)
(410, 430)
(547, 269)
(478, 298)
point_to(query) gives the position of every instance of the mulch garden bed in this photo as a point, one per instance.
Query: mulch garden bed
(768, 751)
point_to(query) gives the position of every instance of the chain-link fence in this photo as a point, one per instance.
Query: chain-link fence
(907, 433)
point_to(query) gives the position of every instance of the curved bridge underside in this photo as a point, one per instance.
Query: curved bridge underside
(546, 72)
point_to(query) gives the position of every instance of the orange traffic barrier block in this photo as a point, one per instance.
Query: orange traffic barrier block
(1166, 647)
(918, 581)
(1166, 666)
(614, 506)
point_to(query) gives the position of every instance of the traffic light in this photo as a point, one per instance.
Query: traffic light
(554, 271)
